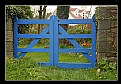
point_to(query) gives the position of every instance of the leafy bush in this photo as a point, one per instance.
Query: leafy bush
(77, 29)
(65, 46)
(24, 41)
(19, 11)
(105, 65)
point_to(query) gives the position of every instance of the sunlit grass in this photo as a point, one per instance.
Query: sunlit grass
(27, 68)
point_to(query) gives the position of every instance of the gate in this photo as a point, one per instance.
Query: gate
(53, 28)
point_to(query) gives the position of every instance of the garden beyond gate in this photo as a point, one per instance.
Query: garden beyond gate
(53, 28)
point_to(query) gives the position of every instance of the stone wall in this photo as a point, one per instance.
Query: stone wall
(9, 39)
(106, 18)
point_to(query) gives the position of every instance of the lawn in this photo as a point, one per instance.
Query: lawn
(27, 68)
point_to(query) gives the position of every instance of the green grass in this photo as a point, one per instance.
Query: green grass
(72, 57)
(27, 68)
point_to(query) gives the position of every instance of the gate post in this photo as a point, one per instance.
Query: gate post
(15, 37)
(51, 41)
(94, 42)
(55, 31)
(106, 34)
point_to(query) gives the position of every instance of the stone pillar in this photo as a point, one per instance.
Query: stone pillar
(9, 39)
(106, 35)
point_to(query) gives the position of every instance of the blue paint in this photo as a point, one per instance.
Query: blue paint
(94, 42)
(33, 50)
(15, 37)
(51, 42)
(55, 47)
(76, 36)
(21, 21)
(33, 36)
(76, 65)
(53, 28)
(75, 21)
(75, 50)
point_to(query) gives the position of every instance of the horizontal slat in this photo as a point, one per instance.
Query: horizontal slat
(75, 50)
(33, 50)
(76, 65)
(26, 21)
(75, 21)
(76, 36)
(33, 36)
(34, 41)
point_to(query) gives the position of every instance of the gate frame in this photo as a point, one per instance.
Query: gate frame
(53, 28)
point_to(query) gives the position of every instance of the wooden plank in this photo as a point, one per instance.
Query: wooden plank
(51, 41)
(94, 43)
(76, 65)
(33, 36)
(55, 30)
(33, 49)
(75, 50)
(76, 36)
(33, 21)
(15, 37)
(75, 21)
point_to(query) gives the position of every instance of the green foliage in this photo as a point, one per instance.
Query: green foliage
(44, 41)
(72, 57)
(77, 29)
(24, 28)
(62, 46)
(21, 12)
(65, 46)
(24, 41)
(27, 10)
(106, 65)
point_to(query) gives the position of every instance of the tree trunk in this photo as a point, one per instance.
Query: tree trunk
(40, 17)
(63, 13)
(44, 12)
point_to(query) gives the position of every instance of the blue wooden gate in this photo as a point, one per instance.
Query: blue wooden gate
(53, 28)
